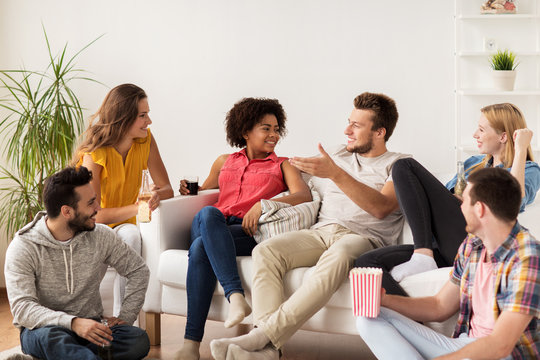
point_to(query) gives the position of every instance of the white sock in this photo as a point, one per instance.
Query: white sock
(189, 351)
(238, 310)
(235, 352)
(418, 263)
(256, 339)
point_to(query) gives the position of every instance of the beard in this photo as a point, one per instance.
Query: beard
(471, 225)
(470, 229)
(363, 148)
(80, 223)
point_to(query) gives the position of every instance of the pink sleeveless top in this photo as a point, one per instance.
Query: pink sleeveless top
(242, 183)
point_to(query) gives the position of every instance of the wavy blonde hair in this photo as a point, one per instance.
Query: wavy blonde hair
(113, 120)
(504, 118)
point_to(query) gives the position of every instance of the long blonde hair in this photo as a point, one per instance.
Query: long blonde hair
(117, 113)
(505, 118)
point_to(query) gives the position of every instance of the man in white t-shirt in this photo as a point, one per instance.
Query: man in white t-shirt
(359, 212)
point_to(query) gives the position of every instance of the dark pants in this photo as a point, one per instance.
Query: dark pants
(434, 215)
(57, 342)
(216, 242)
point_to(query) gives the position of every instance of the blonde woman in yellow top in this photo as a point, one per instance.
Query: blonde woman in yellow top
(117, 147)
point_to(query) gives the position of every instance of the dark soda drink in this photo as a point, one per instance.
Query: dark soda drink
(193, 187)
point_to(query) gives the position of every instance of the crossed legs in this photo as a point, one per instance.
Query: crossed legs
(332, 249)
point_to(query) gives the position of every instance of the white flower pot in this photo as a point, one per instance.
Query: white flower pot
(504, 79)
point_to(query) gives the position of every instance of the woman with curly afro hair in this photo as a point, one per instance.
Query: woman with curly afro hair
(221, 232)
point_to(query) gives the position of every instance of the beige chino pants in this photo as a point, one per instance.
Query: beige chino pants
(332, 249)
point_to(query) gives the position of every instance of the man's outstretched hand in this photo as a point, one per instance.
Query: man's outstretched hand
(322, 166)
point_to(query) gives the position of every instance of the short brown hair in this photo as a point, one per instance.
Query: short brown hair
(247, 113)
(499, 190)
(59, 189)
(385, 114)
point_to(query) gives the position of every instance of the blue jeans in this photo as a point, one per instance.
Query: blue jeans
(58, 342)
(215, 244)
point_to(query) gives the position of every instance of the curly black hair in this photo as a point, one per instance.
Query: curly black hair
(247, 113)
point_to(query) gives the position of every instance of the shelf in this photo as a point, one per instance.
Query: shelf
(492, 92)
(474, 149)
(499, 17)
(473, 87)
(488, 53)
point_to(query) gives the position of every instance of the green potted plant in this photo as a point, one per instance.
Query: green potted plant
(504, 66)
(38, 132)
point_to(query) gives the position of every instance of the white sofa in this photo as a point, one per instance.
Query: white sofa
(165, 244)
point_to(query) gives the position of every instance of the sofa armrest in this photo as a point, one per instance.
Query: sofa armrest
(169, 229)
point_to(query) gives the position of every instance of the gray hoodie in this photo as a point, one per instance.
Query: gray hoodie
(50, 282)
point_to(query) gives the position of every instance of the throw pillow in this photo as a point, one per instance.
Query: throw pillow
(278, 217)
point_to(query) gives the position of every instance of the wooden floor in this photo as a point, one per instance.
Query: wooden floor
(304, 345)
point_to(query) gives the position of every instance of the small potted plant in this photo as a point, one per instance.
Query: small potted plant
(504, 66)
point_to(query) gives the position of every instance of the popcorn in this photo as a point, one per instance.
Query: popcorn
(366, 284)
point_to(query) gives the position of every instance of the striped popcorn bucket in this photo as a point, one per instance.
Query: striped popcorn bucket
(366, 286)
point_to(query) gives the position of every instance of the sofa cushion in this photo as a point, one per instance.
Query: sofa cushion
(173, 269)
(173, 266)
(278, 218)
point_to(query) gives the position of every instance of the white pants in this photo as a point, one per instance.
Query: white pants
(130, 234)
(394, 336)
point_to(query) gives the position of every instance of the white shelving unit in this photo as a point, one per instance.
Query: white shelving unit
(519, 33)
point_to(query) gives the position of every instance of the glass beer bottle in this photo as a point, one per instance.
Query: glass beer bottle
(461, 181)
(144, 214)
(105, 351)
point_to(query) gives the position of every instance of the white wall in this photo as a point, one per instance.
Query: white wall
(195, 59)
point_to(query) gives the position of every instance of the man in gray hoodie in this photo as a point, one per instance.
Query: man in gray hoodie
(54, 267)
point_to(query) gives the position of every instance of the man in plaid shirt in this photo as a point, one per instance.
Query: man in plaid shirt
(494, 284)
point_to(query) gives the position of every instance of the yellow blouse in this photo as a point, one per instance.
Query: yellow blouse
(120, 182)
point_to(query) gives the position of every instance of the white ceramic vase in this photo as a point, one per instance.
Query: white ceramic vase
(504, 80)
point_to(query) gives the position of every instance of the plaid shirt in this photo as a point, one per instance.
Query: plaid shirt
(517, 284)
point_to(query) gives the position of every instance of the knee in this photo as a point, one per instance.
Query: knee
(205, 219)
(261, 252)
(141, 345)
(402, 166)
(268, 260)
(53, 334)
(40, 341)
(258, 251)
(367, 260)
(209, 212)
(137, 341)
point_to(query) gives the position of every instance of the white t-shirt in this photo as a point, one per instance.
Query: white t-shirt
(338, 208)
